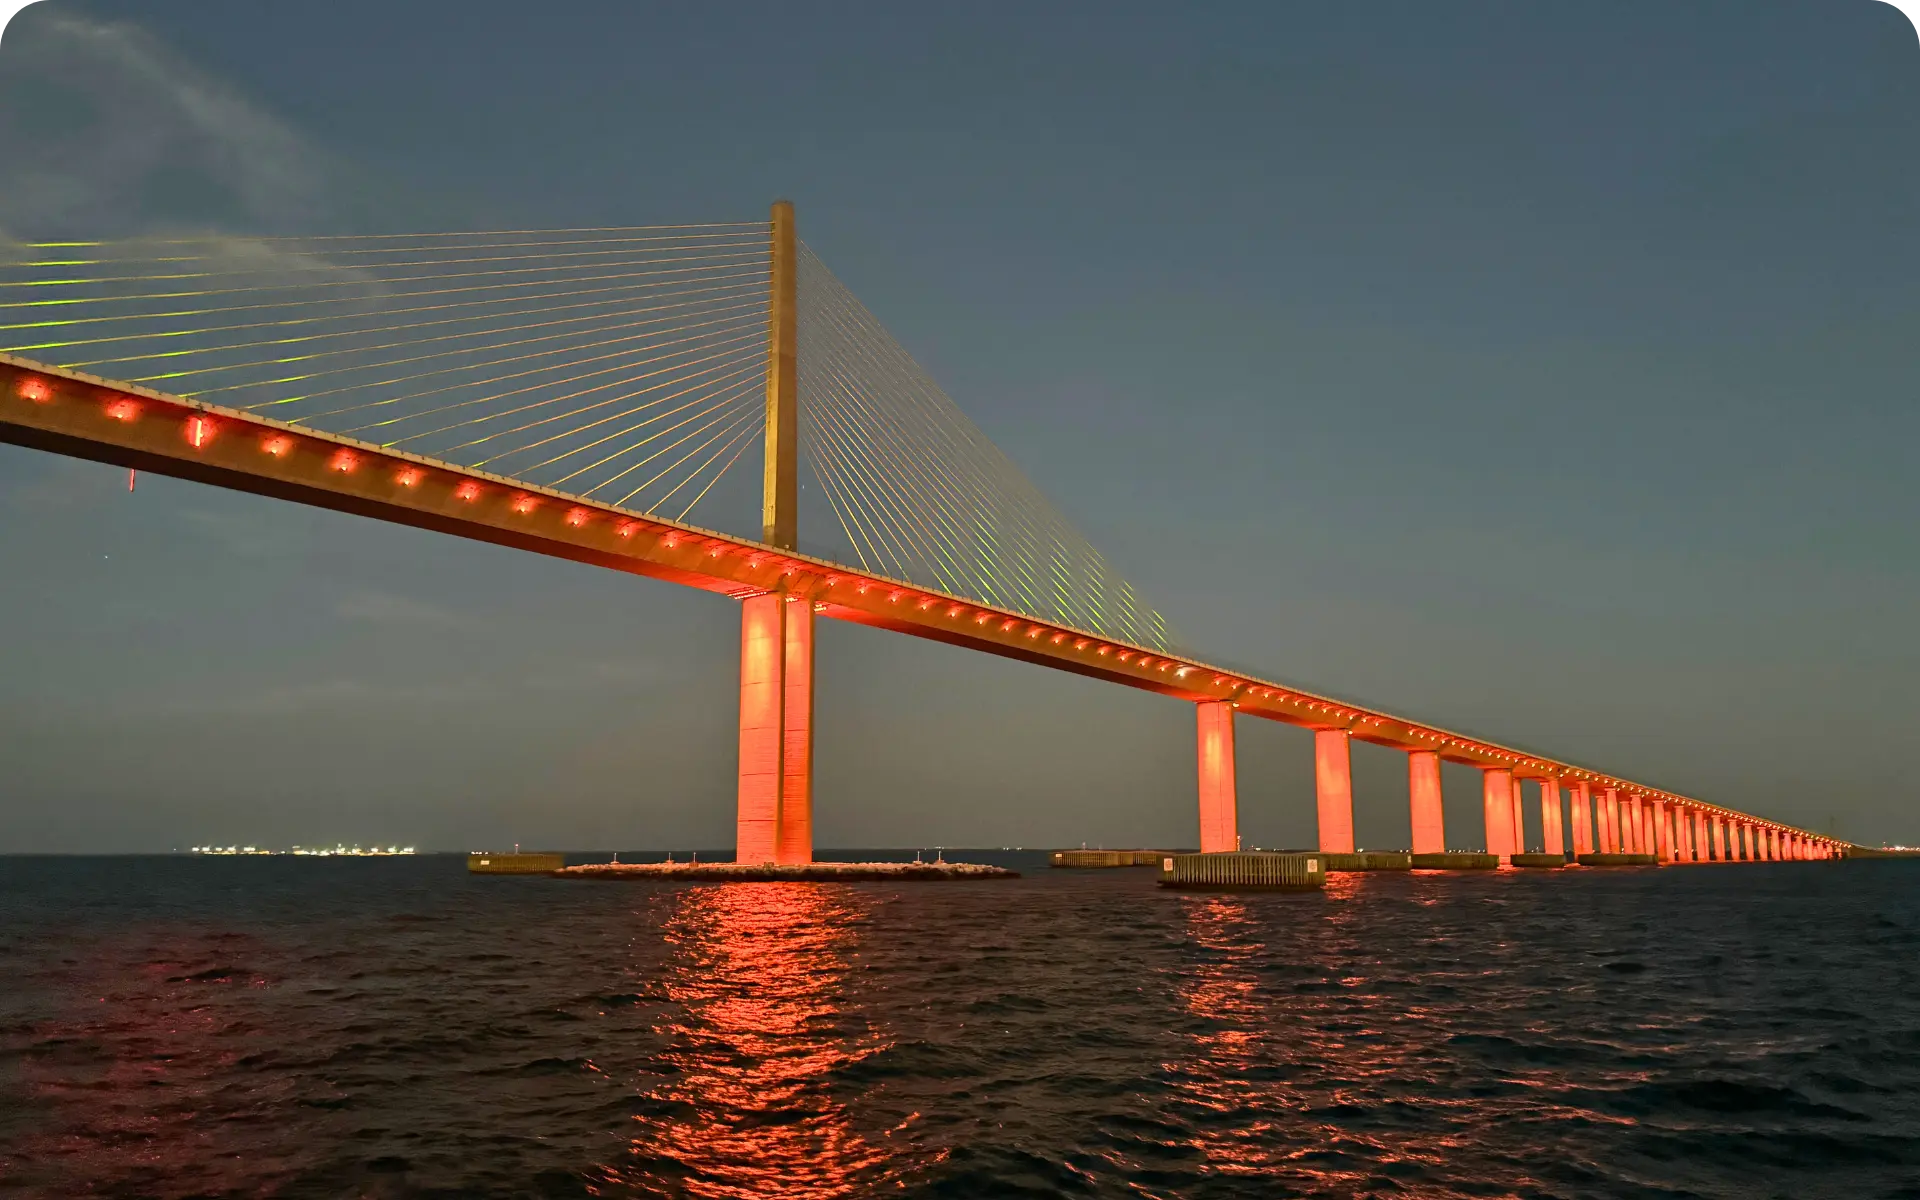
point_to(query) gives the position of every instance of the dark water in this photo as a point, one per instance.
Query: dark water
(175, 1027)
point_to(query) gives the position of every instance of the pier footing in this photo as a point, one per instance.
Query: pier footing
(533, 862)
(1105, 858)
(1370, 860)
(1253, 871)
(1455, 860)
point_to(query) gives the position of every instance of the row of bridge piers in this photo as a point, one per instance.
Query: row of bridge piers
(775, 814)
(1575, 818)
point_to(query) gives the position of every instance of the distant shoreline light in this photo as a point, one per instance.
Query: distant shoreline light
(311, 851)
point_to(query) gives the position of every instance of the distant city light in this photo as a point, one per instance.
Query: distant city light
(342, 851)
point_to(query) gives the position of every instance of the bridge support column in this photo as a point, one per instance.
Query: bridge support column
(1333, 789)
(1219, 805)
(1720, 838)
(1496, 797)
(774, 822)
(796, 727)
(1609, 812)
(1517, 810)
(1662, 839)
(1553, 840)
(1423, 801)
(1582, 810)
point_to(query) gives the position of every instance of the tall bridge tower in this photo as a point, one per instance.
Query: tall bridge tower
(775, 820)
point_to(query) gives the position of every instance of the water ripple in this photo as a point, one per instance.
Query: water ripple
(393, 1028)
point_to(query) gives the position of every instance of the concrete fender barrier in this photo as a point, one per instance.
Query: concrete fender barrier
(1245, 871)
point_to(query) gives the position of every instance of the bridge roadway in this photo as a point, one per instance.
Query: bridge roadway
(71, 413)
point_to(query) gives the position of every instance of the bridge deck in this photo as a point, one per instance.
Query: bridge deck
(71, 413)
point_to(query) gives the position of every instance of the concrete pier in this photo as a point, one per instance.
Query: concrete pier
(1105, 858)
(1252, 871)
(1456, 860)
(1369, 860)
(483, 862)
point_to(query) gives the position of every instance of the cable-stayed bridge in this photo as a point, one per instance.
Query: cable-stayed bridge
(598, 395)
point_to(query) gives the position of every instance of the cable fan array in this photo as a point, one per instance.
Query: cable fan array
(623, 364)
(922, 495)
(626, 364)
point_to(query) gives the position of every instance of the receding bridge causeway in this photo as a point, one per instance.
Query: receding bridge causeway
(579, 393)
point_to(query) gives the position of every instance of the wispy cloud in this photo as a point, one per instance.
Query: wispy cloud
(107, 132)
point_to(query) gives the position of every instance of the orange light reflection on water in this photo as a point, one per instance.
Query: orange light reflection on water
(758, 1029)
(1223, 992)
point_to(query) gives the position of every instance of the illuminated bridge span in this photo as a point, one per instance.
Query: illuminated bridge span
(579, 393)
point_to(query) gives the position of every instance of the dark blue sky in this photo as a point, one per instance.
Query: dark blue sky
(1542, 369)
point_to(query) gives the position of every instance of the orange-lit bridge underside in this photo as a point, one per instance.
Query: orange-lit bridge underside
(74, 414)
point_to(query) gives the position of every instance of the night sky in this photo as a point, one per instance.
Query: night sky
(1544, 370)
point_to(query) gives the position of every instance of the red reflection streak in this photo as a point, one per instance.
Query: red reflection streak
(1223, 992)
(1319, 1048)
(757, 978)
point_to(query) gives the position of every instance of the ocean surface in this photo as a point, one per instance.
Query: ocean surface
(177, 1027)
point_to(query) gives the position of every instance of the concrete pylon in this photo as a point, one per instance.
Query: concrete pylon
(779, 504)
(774, 822)
(1333, 789)
(1219, 804)
(1496, 797)
(1424, 803)
(1518, 811)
